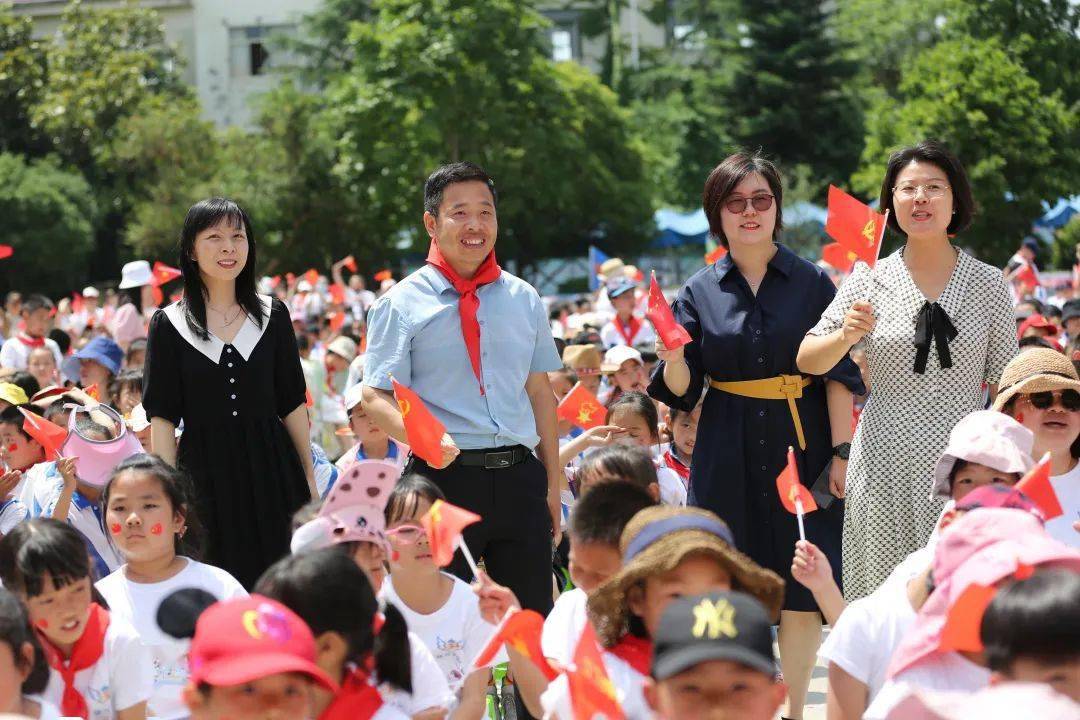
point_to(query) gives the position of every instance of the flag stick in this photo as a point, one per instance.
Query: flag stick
(881, 240)
(460, 542)
(799, 515)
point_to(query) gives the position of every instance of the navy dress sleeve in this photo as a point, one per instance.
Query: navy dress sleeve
(162, 384)
(686, 314)
(289, 385)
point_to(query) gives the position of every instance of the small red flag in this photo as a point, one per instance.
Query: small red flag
(92, 391)
(6, 251)
(164, 274)
(177, 296)
(789, 487)
(840, 258)
(659, 313)
(964, 620)
(581, 408)
(312, 276)
(423, 429)
(383, 275)
(520, 630)
(715, 254)
(155, 292)
(855, 225)
(1036, 485)
(350, 262)
(337, 320)
(337, 294)
(591, 691)
(49, 435)
(1028, 278)
(443, 524)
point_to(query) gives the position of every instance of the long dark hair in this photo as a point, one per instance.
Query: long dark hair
(15, 632)
(202, 215)
(344, 604)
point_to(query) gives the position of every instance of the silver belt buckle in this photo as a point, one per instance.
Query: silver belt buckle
(498, 460)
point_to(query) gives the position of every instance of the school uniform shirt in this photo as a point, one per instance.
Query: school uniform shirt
(46, 710)
(121, 678)
(1067, 489)
(397, 454)
(672, 489)
(15, 353)
(950, 671)
(136, 604)
(33, 488)
(563, 626)
(866, 634)
(615, 333)
(12, 512)
(429, 688)
(85, 517)
(455, 633)
(325, 472)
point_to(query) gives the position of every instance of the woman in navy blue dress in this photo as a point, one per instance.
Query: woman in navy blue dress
(746, 316)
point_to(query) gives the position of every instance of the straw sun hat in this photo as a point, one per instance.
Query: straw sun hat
(655, 541)
(1036, 370)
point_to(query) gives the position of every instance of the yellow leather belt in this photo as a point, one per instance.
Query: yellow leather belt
(781, 387)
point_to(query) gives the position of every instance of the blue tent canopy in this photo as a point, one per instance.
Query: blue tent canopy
(1062, 212)
(692, 228)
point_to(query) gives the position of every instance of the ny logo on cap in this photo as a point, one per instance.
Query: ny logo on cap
(714, 619)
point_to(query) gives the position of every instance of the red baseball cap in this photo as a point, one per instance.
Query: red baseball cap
(237, 641)
(1038, 322)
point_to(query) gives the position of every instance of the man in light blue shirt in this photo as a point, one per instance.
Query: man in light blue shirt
(475, 343)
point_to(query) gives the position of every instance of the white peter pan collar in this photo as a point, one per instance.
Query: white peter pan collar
(244, 342)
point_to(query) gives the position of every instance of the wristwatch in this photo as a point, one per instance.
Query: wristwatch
(842, 451)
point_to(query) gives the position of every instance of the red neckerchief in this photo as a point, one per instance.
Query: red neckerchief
(86, 653)
(358, 699)
(677, 465)
(31, 341)
(488, 272)
(634, 651)
(628, 333)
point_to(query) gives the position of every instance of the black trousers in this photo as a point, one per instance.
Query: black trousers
(514, 535)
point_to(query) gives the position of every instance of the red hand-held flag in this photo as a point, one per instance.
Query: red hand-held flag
(581, 408)
(839, 257)
(337, 294)
(163, 274)
(424, 430)
(337, 320)
(521, 630)
(383, 275)
(350, 262)
(312, 276)
(855, 225)
(715, 254)
(443, 524)
(49, 435)
(591, 691)
(790, 489)
(93, 391)
(6, 251)
(1036, 485)
(659, 313)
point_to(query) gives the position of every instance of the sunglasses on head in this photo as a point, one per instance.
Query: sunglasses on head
(761, 203)
(1070, 399)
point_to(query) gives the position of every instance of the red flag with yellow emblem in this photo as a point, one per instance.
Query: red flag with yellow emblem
(521, 631)
(581, 408)
(443, 524)
(423, 429)
(591, 691)
(839, 257)
(855, 225)
(660, 315)
(790, 489)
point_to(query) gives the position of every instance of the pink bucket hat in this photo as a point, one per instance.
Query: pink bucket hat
(989, 438)
(982, 547)
(1006, 701)
(353, 511)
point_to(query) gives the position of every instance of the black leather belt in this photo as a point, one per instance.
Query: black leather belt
(495, 458)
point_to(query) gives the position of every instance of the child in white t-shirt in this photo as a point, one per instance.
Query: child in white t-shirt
(99, 669)
(24, 675)
(441, 609)
(636, 414)
(148, 513)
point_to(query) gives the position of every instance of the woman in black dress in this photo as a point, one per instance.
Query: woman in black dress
(224, 360)
(746, 316)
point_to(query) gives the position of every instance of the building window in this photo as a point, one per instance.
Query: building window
(258, 50)
(562, 45)
(564, 37)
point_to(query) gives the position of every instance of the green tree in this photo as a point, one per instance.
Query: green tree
(1019, 145)
(1066, 243)
(440, 80)
(324, 42)
(880, 38)
(791, 92)
(22, 80)
(48, 219)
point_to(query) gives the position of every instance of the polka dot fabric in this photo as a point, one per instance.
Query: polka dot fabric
(906, 422)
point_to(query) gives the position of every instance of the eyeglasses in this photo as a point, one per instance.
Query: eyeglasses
(406, 534)
(930, 190)
(761, 203)
(1070, 399)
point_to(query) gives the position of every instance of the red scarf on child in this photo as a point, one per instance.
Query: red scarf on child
(488, 272)
(33, 342)
(677, 465)
(358, 699)
(86, 653)
(634, 651)
(628, 332)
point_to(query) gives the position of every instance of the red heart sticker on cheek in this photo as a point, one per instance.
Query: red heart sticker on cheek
(115, 527)
(42, 624)
(12, 447)
(156, 530)
(395, 555)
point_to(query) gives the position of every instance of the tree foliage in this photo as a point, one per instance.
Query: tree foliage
(22, 81)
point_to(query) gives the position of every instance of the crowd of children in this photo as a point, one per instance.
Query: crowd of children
(107, 612)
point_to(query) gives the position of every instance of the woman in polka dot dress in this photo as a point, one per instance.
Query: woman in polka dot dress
(937, 324)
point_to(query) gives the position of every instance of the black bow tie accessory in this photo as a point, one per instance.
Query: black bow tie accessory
(933, 322)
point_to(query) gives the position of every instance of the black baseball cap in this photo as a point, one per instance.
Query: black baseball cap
(729, 626)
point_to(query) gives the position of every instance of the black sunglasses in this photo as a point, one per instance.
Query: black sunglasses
(761, 203)
(1070, 399)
